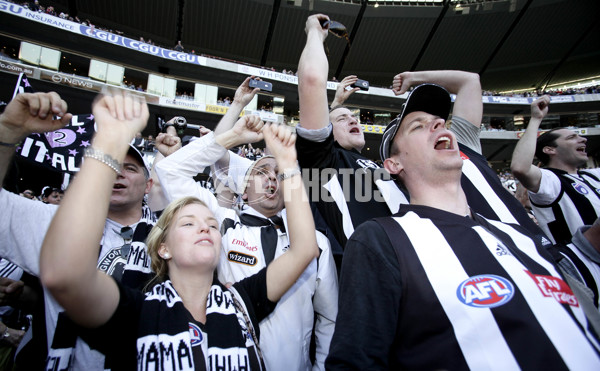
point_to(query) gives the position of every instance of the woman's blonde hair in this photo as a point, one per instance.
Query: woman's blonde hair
(159, 233)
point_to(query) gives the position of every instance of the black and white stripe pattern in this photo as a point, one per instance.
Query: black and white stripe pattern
(10, 270)
(528, 331)
(577, 204)
(486, 195)
(164, 325)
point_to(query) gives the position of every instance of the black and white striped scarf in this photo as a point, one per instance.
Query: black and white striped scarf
(164, 324)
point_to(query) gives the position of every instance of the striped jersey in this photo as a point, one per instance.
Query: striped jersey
(347, 187)
(582, 255)
(487, 196)
(452, 292)
(565, 202)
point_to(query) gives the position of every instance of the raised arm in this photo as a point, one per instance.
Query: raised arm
(313, 68)
(246, 130)
(465, 85)
(176, 172)
(166, 144)
(23, 222)
(342, 93)
(243, 95)
(26, 114)
(70, 251)
(522, 159)
(285, 270)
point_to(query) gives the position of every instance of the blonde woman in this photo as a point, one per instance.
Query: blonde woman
(187, 319)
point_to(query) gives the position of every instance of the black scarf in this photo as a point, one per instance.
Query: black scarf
(164, 323)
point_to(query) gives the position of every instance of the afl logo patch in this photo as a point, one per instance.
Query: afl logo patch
(580, 189)
(485, 291)
(195, 334)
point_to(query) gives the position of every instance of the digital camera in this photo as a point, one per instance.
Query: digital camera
(180, 123)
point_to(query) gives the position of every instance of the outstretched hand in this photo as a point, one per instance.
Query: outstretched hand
(119, 114)
(539, 107)
(33, 113)
(167, 143)
(280, 141)
(401, 83)
(244, 93)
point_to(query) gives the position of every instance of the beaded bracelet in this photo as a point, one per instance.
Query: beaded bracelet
(103, 157)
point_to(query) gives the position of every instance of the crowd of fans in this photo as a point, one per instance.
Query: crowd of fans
(538, 93)
(436, 252)
(184, 95)
(48, 195)
(224, 101)
(35, 6)
(508, 181)
(249, 152)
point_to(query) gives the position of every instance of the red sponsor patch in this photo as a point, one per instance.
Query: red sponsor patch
(245, 244)
(463, 156)
(555, 287)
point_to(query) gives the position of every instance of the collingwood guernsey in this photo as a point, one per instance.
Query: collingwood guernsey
(454, 292)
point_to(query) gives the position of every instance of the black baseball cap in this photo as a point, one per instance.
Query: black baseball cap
(430, 98)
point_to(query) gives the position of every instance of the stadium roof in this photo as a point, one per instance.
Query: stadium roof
(512, 44)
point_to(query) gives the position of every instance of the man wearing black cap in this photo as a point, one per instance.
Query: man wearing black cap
(123, 252)
(442, 287)
(332, 141)
(484, 191)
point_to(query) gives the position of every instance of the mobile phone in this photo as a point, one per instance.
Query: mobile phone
(361, 84)
(262, 85)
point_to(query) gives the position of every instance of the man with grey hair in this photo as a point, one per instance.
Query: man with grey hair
(24, 223)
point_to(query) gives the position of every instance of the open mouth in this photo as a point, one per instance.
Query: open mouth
(443, 142)
(355, 130)
(118, 186)
(271, 191)
(581, 150)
